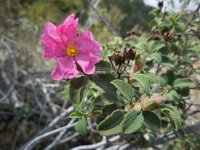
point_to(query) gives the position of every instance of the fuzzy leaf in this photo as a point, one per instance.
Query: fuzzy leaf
(173, 96)
(103, 66)
(103, 81)
(143, 79)
(157, 57)
(173, 114)
(156, 46)
(183, 83)
(76, 89)
(81, 126)
(112, 124)
(124, 88)
(151, 120)
(78, 107)
(132, 122)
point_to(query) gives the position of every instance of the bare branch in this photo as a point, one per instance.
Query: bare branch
(102, 18)
(15, 67)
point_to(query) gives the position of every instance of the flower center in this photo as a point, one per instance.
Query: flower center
(71, 51)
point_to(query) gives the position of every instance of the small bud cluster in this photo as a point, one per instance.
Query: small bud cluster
(156, 35)
(120, 57)
(167, 36)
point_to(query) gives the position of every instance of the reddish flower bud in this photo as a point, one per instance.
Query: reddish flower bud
(138, 65)
(152, 102)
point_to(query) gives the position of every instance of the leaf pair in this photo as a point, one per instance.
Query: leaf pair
(121, 122)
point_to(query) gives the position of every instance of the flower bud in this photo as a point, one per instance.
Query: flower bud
(156, 35)
(138, 65)
(130, 54)
(119, 58)
(152, 102)
(168, 36)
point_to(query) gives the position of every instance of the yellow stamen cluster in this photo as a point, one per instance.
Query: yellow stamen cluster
(71, 51)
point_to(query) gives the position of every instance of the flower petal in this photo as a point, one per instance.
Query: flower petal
(57, 74)
(68, 30)
(87, 62)
(53, 45)
(87, 44)
(68, 67)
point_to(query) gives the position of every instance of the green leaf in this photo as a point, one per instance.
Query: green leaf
(157, 57)
(78, 107)
(133, 121)
(173, 96)
(76, 114)
(112, 124)
(151, 120)
(162, 81)
(141, 45)
(108, 98)
(164, 26)
(103, 100)
(183, 83)
(108, 109)
(155, 12)
(180, 133)
(157, 79)
(124, 88)
(103, 81)
(103, 66)
(81, 126)
(175, 16)
(155, 46)
(76, 89)
(173, 114)
(143, 79)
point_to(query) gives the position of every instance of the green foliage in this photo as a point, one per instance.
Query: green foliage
(133, 121)
(129, 97)
(183, 83)
(124, 88)
(81, 126)
(103, 66)
(173, 96)
(155, 46)
(156, 56)
(143, 79)
(152, 121)
(22, 113)
(76, 89)
(112, 124)
(173, 114)
(103, 81)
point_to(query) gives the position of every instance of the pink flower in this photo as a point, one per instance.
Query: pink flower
(63, 44)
